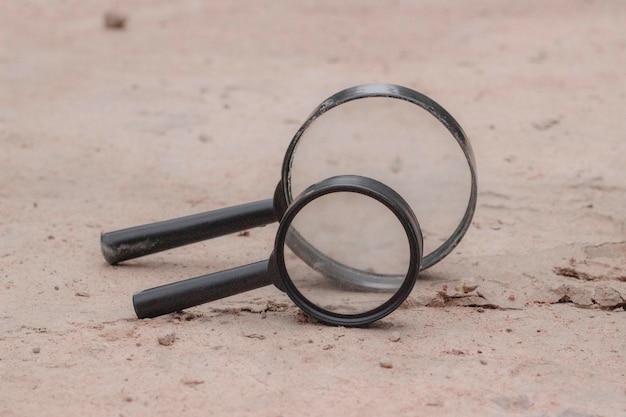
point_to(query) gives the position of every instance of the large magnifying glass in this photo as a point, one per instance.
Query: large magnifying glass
(387, 132)
(356, 222)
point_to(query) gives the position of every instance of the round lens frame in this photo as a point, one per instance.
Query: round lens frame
(402, 93)
(389, 198)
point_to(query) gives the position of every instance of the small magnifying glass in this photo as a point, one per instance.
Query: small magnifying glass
(354, 221)
(382, 131)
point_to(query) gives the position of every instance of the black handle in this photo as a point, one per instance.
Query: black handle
(144, 240)
(191, 292)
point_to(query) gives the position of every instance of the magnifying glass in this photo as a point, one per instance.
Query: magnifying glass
(356, 222)
(383, 131)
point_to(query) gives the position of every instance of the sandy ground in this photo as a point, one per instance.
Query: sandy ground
(191, 106)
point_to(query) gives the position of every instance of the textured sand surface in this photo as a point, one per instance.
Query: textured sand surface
(190, 107)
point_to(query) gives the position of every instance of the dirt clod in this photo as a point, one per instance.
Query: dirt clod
(302, 317)
(386, 363)
(394, 337)
(167, 339)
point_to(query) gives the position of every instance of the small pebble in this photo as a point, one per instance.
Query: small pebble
(167, 339)
(36, 349)
(483, 362)
(386, 363)
(114, 20)
(394, 337)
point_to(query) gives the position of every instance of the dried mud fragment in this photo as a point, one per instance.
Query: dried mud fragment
(607, 297)
(603, 296)
(571, 294)
(573, 273)
(466, 297)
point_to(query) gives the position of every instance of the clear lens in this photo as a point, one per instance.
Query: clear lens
(397, 143)
(356, 232)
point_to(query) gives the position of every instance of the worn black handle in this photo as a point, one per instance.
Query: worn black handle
(195, 291)
(144, 240)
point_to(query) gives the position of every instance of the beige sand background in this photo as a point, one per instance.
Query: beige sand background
(191, 106)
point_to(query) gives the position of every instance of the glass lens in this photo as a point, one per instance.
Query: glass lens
(397, 143)
(356, 233)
